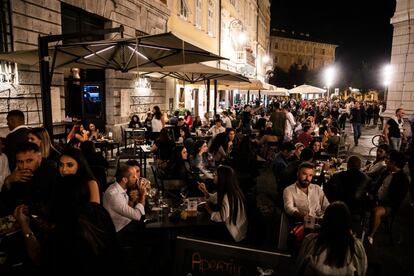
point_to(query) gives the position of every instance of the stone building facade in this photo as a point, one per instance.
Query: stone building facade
(401, 88)
(288, 48)
(209, 24)
(27, 19)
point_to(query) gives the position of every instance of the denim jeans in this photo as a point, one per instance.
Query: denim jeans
(395, 143)
(357, 132)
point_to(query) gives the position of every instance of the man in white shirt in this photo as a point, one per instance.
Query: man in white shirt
(125, 210)
(226, 120)
(303, 198)
(217, 128)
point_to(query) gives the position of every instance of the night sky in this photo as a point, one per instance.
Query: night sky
(360, 28)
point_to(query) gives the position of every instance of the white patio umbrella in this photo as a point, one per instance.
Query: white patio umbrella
(306, 89)
(278, 91)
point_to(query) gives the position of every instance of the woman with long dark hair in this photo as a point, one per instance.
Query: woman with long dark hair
(229, 201)
(200, 160)
(196, 124)
(164, 145)
(217, 148)
(157, 122)
(333, 251)
(72, 162)
(77, 135)
(135, 122)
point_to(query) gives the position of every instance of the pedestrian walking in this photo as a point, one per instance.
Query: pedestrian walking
(357, 120)
(393, 129)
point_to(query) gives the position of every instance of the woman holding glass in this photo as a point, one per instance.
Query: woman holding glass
(201, 159)
(230, 204)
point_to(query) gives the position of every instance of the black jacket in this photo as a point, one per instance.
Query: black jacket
(12, 140)
(351, 187)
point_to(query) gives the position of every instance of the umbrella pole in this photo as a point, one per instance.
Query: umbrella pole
(215, 97)
(208, 95)
(45, 78)
(248, 96)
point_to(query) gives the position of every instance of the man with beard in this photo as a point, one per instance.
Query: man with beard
(32, 182)
(303, 198)
(126, 210)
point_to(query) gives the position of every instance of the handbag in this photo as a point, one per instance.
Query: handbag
(296, 236)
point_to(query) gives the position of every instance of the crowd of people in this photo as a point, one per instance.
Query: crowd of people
(71, 218)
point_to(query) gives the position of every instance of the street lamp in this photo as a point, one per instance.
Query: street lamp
(329, 75)
(241, 35)
(387, 74)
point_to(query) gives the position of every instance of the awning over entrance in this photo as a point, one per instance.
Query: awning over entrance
(253, 85)
(195, 72)
(121, 54)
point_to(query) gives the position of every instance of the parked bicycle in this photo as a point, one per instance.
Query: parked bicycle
(377, 140)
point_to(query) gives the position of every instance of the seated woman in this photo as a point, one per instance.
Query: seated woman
(40, 137)
(93, 132)
(77, 135)
(230, 204)
(206, 122)
(201, 161)
(184, 134)
(163, 146)
(217, 148)
(333, 251)
(179, 169)
(316, 147)
(72, 162)
(135, 122)
(196, 124)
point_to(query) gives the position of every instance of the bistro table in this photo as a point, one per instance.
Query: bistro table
(104, 145)
(169, 217)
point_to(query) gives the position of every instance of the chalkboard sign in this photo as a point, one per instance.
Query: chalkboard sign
(201, 257)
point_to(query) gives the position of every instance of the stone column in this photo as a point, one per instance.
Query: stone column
(401, 88)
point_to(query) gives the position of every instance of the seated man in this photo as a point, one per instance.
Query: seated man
(125, 210)
(331, 140)
(281, 161)
(217, 128)
(303, 198)
(32, 182)
(352, 187)
(392, 191)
